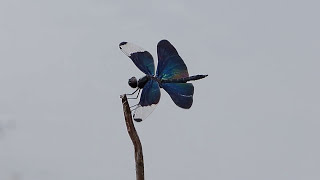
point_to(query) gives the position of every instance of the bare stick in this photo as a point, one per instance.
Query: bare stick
(134, 138)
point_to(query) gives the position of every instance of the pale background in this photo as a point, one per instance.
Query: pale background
(255, 117)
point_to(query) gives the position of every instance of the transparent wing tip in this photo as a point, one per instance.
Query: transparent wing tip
(142, 112)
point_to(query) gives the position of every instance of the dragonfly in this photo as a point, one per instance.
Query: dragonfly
(171, 75)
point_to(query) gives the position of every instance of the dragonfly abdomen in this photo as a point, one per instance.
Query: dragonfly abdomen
(184, 80)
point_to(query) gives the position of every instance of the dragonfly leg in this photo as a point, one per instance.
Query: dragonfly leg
(133, 92)
(137, 94)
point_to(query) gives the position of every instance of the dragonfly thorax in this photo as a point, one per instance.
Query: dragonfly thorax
(134, 83)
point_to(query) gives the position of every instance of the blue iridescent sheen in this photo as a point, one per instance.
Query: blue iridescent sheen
(180, 93)
(144, 61)
(150, 93)
(171, 75)
(170, 64)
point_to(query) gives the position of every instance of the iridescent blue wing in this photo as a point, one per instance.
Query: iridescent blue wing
(170, 64)
(141, 58)
(180, 93)
(149, 98)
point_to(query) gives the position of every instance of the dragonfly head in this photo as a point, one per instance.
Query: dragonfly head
(133, 82)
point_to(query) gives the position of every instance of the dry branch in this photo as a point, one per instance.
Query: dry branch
(134, 137)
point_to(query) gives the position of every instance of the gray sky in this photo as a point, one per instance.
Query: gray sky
(255, 117)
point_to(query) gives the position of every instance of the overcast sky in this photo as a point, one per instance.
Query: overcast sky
(255, 117)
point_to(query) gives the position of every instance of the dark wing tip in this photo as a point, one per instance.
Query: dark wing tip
(122, 43)
(164, 41)
(186, 105)
(137, 120)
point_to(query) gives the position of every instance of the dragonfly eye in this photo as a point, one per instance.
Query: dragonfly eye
(133, 82)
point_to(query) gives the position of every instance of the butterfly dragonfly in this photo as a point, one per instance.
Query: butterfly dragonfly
(171, 75)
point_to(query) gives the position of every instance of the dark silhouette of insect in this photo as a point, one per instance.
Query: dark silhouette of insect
(171, 75)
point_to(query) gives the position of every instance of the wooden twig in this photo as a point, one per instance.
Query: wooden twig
(134, 138)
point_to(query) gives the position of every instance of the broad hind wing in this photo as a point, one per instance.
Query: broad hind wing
(170, 64)
(140, 57)
(180, 93)
(150, 97)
